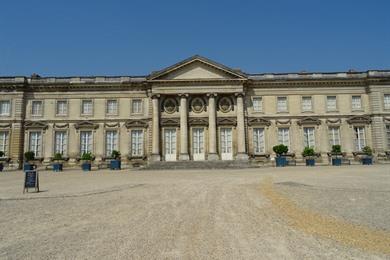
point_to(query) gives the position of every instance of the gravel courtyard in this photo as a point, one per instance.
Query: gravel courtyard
(266, 213)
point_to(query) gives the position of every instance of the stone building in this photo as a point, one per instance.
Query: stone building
(196, 109)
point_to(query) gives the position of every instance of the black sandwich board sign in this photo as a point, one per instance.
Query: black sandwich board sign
(31, 180)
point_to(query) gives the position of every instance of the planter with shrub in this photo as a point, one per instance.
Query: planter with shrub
(309, 155)
(336, 155)
(367, 157)
(86, 161)
(57, 165)
(280, 151)
(28, 164)
(115, 163)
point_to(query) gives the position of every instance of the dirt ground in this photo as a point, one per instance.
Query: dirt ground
(268, 213)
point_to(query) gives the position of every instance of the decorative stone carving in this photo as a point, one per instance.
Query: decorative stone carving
(283, 122)
(136, 123)
(114, 124)
(36, 125)
(258, 121)
(309, 121)
(198, 121)
(333, 121)
(355, 120)
(197, 105)
(170, 105)
(58, 125)
(5, 125)
(170, 121)
(231, 121)
(86, 125)
(225, 104)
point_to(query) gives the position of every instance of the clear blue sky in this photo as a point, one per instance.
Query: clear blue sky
(85, 37)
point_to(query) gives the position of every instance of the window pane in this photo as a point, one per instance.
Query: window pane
(282, 104)
(387, 101)
(258, 140)
(35, 144)
(62, 107)
(36, 108)
(111, 142)
(137, 142)
(61, 142)
(360, 138)
(334, 136)
(306, 104)
(136, 106)
(112, 107)
(257, 104)
(85, 142)
(86, 107)
(331, 103)
(4, 142)
(356, 102)
(283, 136)
(5, 107)
(308, 137)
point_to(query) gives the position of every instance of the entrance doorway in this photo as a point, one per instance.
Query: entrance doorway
(198, 144)
(226, 144)
(170, 144)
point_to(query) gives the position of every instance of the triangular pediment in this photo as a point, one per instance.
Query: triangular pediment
(36, 125)
(197, 68)
(363, 119)
(309, 121)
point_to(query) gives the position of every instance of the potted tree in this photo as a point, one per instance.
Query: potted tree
(28, 158)
(86, 161)
(115, 163)
(280, 150)
(57, 165)
(336, 155)
(367, 157)
(1, 164)
(309, 155)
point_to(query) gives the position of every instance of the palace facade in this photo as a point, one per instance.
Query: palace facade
(195, 110)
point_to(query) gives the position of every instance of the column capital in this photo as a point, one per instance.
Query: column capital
(211, 94)
(155, 96)
(183, 95)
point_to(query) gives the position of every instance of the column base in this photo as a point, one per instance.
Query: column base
(155, 158)
(213, 157)
(242, 157)
(184, 157)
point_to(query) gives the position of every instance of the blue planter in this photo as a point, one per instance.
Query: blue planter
(336, 161)
(281, 161)
(115, 165)
(28, 167)
(57, 167)
(1, 167)
(86, 166)
(310, 162)
(367, 161)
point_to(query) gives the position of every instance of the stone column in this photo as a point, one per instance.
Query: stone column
(183, 128)
(155, 129)
(212, 156)
(241, 149)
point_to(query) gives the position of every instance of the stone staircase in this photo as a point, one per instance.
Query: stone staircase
(181, 165)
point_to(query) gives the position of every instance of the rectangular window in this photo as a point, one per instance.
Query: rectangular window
(36, 108)
(35, 143)
(137, 142)
(284, 136)
(87, 107)
(356, 102)
(258, 140)
(331, 103)
(307, 104)
(4, 142)
(5, 108)
(136, 106)
(112, 107)
(386, 101)
(388, 136)
(360, 138)
(257, 104)
(62, 108)
(85, 142)
(334, 135)
(60, 142)
(308, 137)
(111, 142)
(282, 104)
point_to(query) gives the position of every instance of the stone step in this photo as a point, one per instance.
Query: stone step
(180, 165)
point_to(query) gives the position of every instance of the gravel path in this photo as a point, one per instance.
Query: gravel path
(192, 214)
